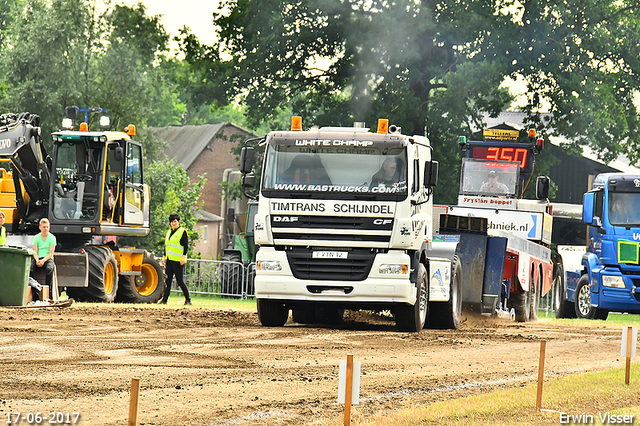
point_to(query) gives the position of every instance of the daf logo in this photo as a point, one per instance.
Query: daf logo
(636, 182)
(283, 219)
(382, 221)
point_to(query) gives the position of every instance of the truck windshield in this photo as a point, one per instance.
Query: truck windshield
(624, 208)
(379, 171)
(489, 178)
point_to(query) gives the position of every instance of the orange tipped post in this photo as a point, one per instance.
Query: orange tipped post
(543, 345)
(627, 372)
(133, 402)
(348, 391)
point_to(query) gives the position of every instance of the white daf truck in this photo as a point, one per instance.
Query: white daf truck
(344, 221)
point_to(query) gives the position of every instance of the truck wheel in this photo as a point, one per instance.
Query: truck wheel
(413, 317)
(103, 277)
(600, 314)
(145, 288)
(272, 313)
(329, 315)
(535, 296)
(304, 314)
(447, 314)
(231, 275)
(583, 306)
(521, 303)
(562, 307)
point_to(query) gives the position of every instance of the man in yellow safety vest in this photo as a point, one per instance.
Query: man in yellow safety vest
(176, 244)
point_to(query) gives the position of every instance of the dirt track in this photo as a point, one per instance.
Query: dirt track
(208, 367)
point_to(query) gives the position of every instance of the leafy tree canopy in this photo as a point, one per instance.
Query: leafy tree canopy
(429, 64)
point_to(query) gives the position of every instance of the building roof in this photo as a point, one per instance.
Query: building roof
(205, 216)
(185, 143)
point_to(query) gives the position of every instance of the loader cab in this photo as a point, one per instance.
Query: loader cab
(97, 186)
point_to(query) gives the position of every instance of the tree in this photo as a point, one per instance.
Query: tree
(430, 64)
(172, 192)
(108, 60)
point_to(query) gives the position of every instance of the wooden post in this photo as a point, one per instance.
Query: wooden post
(627, 372)
(543, 345)
(347, 391)
(133, 402)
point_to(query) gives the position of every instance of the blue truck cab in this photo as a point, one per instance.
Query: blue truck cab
(610, 279)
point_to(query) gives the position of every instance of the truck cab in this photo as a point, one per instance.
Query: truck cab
(611, 275)
(344, 220)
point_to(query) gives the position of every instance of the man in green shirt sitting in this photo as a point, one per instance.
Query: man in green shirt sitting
(44, 244)
(3, 230)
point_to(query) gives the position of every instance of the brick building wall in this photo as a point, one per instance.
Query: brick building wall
(213, 160)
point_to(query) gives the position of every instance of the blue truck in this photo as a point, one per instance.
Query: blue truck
(608, 277)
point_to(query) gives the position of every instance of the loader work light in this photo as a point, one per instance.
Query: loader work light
(104, 122)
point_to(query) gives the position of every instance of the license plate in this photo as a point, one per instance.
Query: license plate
(329, 255)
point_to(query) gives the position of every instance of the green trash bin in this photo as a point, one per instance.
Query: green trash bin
(14, 284)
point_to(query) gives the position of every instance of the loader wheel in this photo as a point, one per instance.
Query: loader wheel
(103, 277)
(445, 315)
(145, 288)
(231, 275)
(413, 317)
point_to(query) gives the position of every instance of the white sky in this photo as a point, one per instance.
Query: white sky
(196, 14)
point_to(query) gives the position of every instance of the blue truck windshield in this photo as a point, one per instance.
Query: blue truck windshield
(378, 171)
(624, 209)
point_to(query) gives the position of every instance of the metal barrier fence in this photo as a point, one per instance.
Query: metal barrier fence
(218, 277)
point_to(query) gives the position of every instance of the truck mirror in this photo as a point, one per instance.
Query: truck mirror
(248, 181)
(430, 173)
(231, 214)
(247, 159)
(119, 154)
(588, 202)
(542, 188)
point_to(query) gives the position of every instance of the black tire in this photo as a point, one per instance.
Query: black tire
(231, 275)
(412, 318)
(304, 314)
(583, 308)
(535, 295)
(561, 307)
(600, 314)
(446, 315)
(328, 315)
(521, 304)
(272, 313)
(145, 288)
(103, 277)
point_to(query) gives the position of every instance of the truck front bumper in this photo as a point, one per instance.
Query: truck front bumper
(377, 288)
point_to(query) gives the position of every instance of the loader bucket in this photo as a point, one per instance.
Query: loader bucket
(72, 269)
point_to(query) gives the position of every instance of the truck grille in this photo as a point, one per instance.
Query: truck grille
(356, 229)
(355, 267)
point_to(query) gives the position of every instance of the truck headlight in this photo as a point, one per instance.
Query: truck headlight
(393, 269)
(269, 265)
(613, 281)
